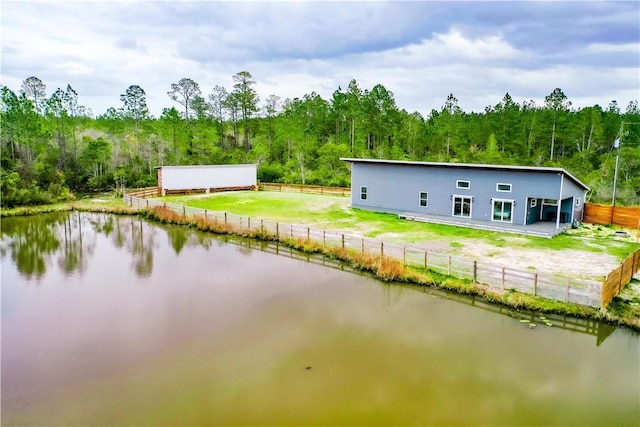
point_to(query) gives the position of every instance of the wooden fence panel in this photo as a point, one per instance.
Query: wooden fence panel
(618, 278)
(299, 188)
(628, 217)
(611, 286)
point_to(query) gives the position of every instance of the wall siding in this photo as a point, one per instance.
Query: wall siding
(396, 188)
(207, 177)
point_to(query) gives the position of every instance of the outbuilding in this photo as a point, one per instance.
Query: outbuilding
(497, 195)
(206, 178)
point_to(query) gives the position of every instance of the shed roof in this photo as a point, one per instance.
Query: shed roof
(537, 169)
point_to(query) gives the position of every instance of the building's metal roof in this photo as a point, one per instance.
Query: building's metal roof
(537, 169)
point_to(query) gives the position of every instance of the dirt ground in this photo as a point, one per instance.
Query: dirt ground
(568, 263)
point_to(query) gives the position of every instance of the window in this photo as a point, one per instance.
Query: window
(550, 202)
(463, 184)
(424, 199)
(578, 201)
(502, 210)
(363, 193)
(503, 188)
(462, 206)
(533, 203)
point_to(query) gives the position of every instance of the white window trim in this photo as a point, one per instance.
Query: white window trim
(503, 191)
(544, 202)
(577, 201)
(513, 205)
(453, 205)
(366, 192)
(420, 193)
(533, 202)
(458, 181)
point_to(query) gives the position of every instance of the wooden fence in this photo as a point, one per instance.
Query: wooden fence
(573, 290)
(265, 186)
(618, 278)
(144, 192)
(612, 215)
(316, 189)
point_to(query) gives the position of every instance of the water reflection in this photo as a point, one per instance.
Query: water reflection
(213, 337)
(34, 241)
(70, 239)
(394, 293)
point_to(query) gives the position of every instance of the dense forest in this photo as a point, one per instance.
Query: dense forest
(52, 147)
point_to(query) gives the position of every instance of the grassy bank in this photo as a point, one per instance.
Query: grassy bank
(100, 203)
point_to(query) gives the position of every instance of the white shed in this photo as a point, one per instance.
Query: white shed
(206, 178)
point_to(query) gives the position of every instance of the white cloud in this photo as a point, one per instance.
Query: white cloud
(421, 51)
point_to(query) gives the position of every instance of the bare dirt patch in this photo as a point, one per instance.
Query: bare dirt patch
(564, 262)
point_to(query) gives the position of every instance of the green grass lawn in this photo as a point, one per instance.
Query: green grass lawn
(335, 213)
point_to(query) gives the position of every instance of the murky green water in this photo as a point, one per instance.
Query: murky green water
(111, 320)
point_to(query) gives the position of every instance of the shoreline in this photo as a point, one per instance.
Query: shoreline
(383, 268)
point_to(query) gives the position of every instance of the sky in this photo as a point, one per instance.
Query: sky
(421, 51)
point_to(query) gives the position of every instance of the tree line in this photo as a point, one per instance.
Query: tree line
(51, 146)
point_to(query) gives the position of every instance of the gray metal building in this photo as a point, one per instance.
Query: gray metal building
(500, 195)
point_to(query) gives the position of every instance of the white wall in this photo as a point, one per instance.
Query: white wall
(209, 176)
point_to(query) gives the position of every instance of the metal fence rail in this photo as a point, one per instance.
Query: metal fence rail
(584, 292)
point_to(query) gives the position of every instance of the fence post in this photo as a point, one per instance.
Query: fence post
(147, 203)
(426, 266)
(404, 256)
(342, 241)
(291, 230)
(535, 283)
(475, 271)
(449, 267)
(568, 288)
(621, 277)
(278, 230)
(362, 245)
(261, 226)
(184, 211)
(205, 215)
(225, 218)
(324, 238)
(308, 234)
(381, 249)
(503, 272)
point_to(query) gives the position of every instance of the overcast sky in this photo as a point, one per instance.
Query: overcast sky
(421, 51)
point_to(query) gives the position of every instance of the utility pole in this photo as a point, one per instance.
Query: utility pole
(616, 145)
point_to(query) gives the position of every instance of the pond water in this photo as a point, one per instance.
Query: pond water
(113, 320)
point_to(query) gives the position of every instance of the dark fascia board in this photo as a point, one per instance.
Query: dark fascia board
(472, 166)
